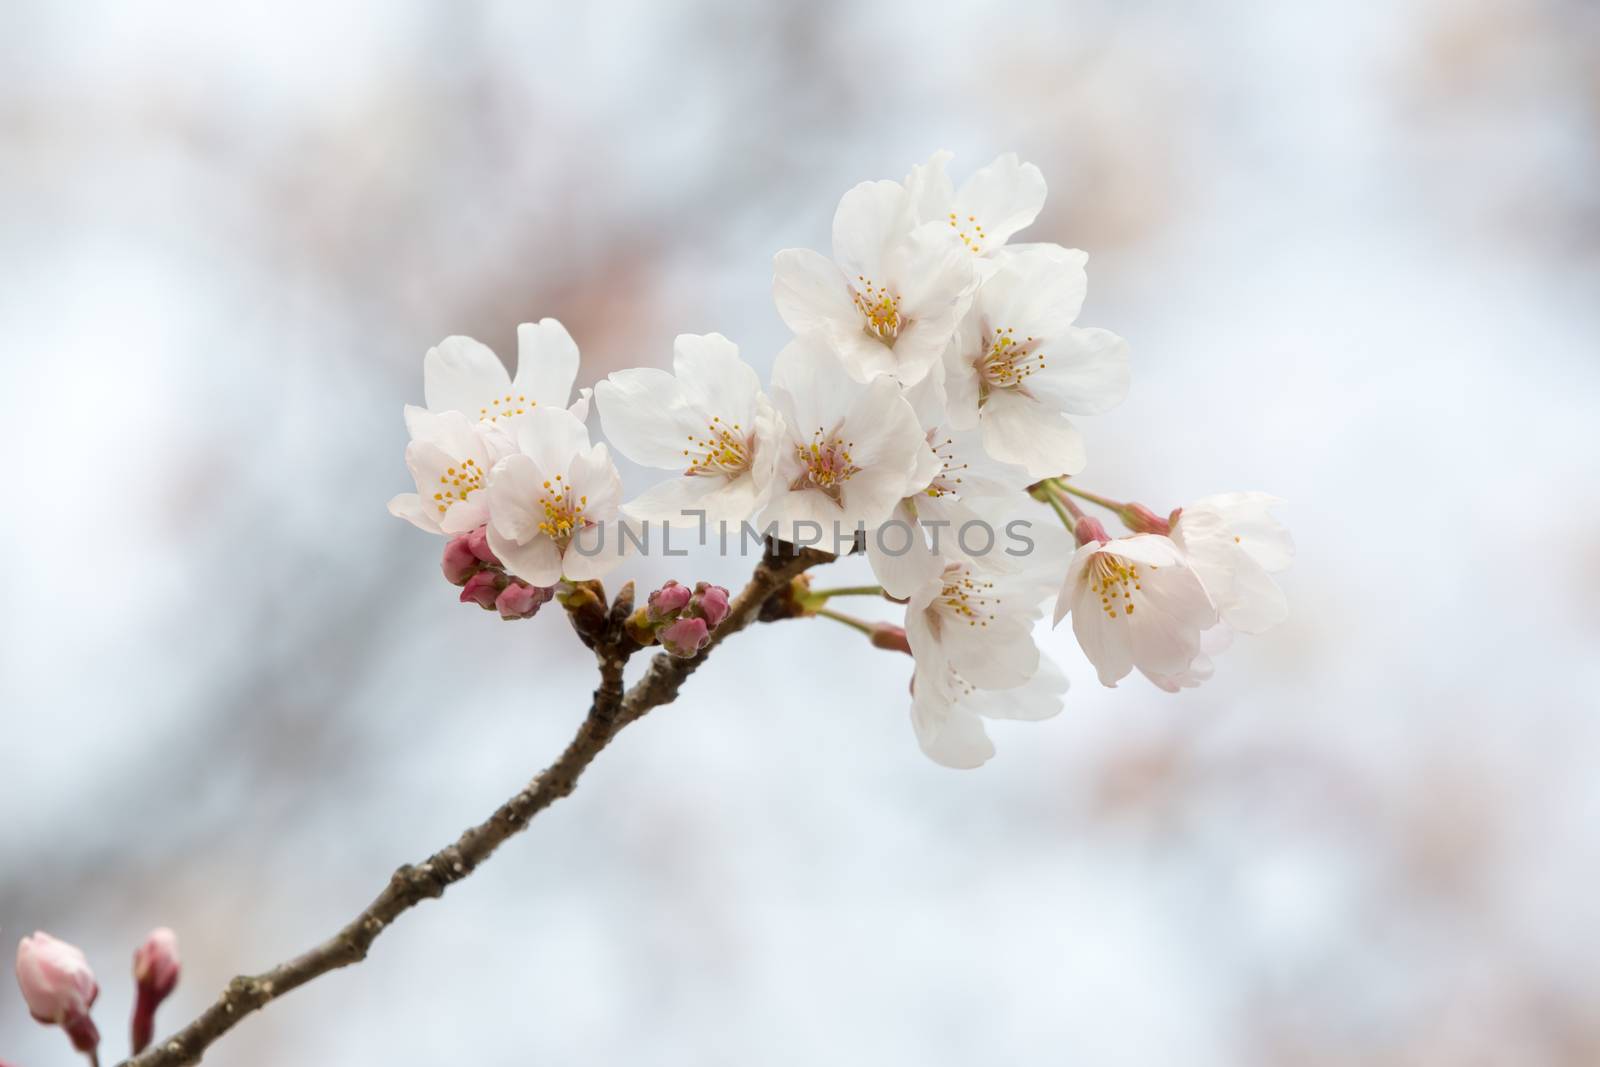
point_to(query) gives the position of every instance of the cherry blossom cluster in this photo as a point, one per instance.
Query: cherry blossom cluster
(60, 988)
(924, 404)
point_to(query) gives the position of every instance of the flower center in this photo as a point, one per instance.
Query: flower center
(948, 480)
(563, 511)
(879, 308)
(505, 406)
(971, 233)
(969, 598)
(1006, 362)
(826, 464)
(456, 484)
(723, 450)
(1114, 579)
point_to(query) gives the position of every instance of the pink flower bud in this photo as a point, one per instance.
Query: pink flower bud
(684, 637)
(478, 542)
(459, 563)
(1141, 519)
(887, 635)
(155, 970)
(710, 602)
(667, 601)
(482, 589)
(59, 987)
(519, 600)
(1090, 529)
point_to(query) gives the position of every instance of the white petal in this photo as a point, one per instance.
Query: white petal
(870, 220)
(1003, 197)
(1001, 655)
(537, 562)
(810, 291)
(1039, 699)
(644, 413)
(1085, 372)
(552, 437)
(547, 363)
(460, 374)
(1018, 430)
(901, 573)
(409, 506)
(714, 380)
(950, 735)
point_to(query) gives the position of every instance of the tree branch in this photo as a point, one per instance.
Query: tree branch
(610, 711)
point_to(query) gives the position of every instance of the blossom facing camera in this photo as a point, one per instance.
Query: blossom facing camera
(155, 972)
(708, 420)
(59, 987)
(1136, 602)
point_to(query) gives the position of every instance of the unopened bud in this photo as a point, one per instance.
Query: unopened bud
(684, 637)
(155, 970)
(710, 602)
(889, 636)
(666, 602)
(1141, 519)
(59, 987)
(478, 543)
(519, 600)
(1090, 529)
(482, 589)
(459, 563)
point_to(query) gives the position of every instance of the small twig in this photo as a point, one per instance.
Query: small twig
(610, 711)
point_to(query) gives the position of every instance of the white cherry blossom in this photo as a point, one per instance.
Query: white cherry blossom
(1135, 602)
(893, 294)
(450, 457)
(554, 502)
(1213, 643)
(1235, 545)
(948, 719)
(978, 625)
(1018, 366)
(708, 420)
(460, 374)
(849, 451)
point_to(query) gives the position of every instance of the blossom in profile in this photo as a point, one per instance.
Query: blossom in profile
(708, 421)
(849, 451)
(890, 299)
(1135, 602)
(1235, 546)
(554, 502)
(449, 457)
(155, 973)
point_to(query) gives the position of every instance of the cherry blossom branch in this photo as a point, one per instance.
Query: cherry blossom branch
(611, 709)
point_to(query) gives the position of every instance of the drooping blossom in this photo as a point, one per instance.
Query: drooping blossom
(554, 502)
(1018, 367)
(708, 420)
(1235, 545)
(891, 297)
(948, 718)
(1135, 602)
(849, 450)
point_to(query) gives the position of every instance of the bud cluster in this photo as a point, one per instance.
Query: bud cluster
(470, 563)
(680, 619)
(60, 987)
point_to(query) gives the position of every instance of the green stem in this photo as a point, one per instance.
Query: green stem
(845, 590)
(1110, 505)
(849, 620)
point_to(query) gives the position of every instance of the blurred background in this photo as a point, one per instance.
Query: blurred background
(1356, 250)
